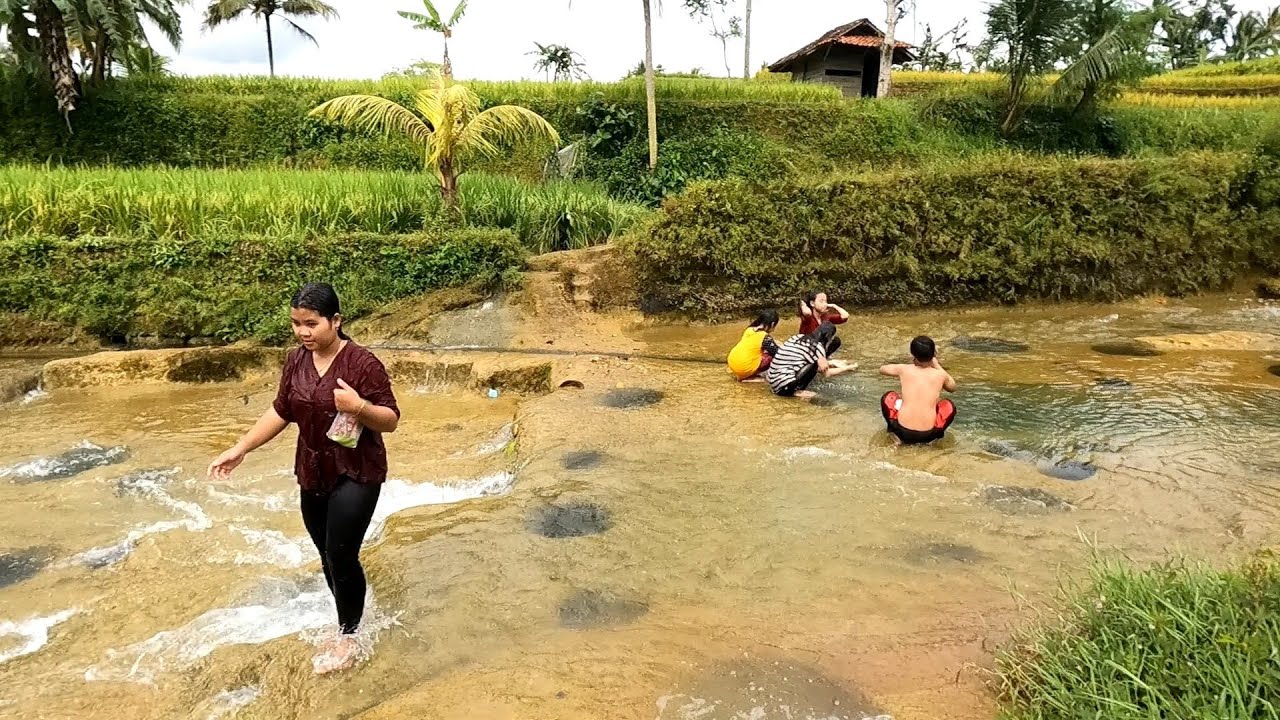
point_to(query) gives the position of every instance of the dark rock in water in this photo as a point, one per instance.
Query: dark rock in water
(21, 565)
(572, 385)
(582, 459)
(588, 609)
(1112, 383)
(1274, 370)
(943, 552)
(144, 482)
(452, 427)
(980, 344)
(1022, 501)
(1006, 449)
(1073, 470)
(1126, 348)
(822, 402)
(631, 398)
(68, 464)
(569, 520)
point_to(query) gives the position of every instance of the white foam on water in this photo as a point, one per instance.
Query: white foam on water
(230, 701)
(915, 474)
(43, 466)
(792, 454)
(398, 496)
(307, 609)
(149, 484)
(272, 548)
(31, 634)
(499, 442)
(273, 503)
(34, 395)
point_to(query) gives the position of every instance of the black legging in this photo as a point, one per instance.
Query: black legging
(337, 522)
(833, 346)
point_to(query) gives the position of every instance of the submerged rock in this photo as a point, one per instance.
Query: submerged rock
(69, 464)
(588, 609)
(569, 520)
(1022, 501)
(1274, 370)
(1126, 348)
(979, 344)
(1060, 468)
(144, 482)
(631, 398)
(944, 552)
(582, 459)
(764, 689)
(1073, 470)
(20, 565)
(1111, 383)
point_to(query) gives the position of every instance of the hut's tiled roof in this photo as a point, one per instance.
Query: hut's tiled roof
(859, 33)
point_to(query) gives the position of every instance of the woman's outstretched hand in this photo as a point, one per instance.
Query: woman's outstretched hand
(346, 399)
(221, 467)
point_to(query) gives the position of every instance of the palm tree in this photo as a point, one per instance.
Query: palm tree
(1106, 44)
(1033, 32)
(650, 88)
(107, 32)
(558, 61)
(746, 41)
(224, 11)
(446, 125)
(37, 33)
(433, 21)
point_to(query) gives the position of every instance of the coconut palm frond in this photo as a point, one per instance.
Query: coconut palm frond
(504, 125)
(371, 113)
(1095, 65)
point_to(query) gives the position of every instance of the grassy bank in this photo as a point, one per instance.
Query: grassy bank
(708, 129)
(155, 203)
(1177, 641)
(999, 229)
(232, 286)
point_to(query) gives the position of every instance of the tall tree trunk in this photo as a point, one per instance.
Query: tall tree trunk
(57, 56)
(886, 49)
(650, 91)
(100, 55)
(746, 41)
(271, 49)
(448, 184)
(446, 68)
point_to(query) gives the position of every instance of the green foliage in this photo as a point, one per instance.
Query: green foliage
(232, 286)
(184, 204)
(1173, 641)
(998, 229)
(1261, 66)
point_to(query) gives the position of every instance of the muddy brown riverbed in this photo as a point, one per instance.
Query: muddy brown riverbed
(703, 551)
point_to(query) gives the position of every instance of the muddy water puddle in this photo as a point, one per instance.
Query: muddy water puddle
(659, 543)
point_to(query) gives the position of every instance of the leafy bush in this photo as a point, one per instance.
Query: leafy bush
(998, 229)
(233, 287)
(1174, 641)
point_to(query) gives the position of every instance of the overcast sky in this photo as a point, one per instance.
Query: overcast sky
(493, 39)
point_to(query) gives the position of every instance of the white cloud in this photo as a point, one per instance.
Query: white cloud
(493, 40)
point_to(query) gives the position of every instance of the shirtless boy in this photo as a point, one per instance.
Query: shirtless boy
(916, 415)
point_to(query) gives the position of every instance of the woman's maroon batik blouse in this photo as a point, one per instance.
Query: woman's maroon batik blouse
(306, 399)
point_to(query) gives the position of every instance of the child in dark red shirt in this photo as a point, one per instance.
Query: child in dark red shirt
(815, 310)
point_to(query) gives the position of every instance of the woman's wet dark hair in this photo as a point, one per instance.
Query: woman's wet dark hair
(824, 333)
(808, 299)
(766, 319)
(321, 299)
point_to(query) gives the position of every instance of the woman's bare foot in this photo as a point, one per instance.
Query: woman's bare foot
(806, 394)
(339, 654)
(756, 379)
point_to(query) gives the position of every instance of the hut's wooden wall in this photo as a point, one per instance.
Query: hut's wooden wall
(843, 67)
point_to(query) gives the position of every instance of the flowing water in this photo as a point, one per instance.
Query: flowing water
(661, 543)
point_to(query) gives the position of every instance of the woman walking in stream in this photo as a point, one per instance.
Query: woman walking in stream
(340, 466)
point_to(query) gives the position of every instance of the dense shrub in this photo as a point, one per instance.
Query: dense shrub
(999, 229)
(233, 287)
(1174, 641)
